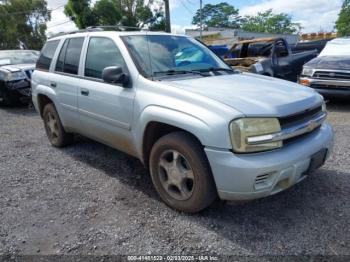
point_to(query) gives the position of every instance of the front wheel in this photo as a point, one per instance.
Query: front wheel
(181, 173)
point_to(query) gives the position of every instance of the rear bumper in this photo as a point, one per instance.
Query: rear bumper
(251, 176)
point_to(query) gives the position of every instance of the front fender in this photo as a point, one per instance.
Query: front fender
(208, 135)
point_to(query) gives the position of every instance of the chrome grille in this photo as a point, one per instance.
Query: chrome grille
(300, 117)
(341, 75)
(293, 126)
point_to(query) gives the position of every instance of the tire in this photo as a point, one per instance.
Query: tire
(55, 132)
(181, 173)
(10, 99)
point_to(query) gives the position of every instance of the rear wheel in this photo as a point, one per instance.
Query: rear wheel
(181, 173)
(55, 132)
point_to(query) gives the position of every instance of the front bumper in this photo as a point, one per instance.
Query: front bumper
(327, 87)
(20, 86)
(251, 176)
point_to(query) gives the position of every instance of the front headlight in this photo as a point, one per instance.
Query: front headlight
(307, 71)
(13, 76)
(243, 128)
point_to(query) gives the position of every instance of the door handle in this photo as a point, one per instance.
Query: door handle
(52, 84)
(84, 92)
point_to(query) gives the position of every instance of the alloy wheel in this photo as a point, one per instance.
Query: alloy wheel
(176, 175)
(52, 126)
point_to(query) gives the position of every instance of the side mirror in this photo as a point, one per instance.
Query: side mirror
(115, 75)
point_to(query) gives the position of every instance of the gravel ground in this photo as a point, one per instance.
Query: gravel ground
(91, 199)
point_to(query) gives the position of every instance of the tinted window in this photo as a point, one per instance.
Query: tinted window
(72, 57)
(102, 52)
(60, 60)
(47, 54)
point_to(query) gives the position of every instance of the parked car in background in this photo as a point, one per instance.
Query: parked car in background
(329, 73)
(16, 68)
(268, 56)
(203, 129)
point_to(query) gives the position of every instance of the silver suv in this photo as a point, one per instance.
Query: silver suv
(203, 129)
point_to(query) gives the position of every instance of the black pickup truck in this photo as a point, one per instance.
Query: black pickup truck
(268, 56)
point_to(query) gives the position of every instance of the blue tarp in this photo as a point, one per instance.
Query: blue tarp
(220, 50)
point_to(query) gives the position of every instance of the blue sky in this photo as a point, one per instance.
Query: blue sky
(183, 11)
(313, 15)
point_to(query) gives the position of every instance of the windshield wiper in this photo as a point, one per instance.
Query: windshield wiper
(216, 69)
(176, 72)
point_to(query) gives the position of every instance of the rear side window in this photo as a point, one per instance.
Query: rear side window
(102, 52)
(46, 55)
(60, 60)
(72, 55)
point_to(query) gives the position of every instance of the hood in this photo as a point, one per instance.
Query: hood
(19, 67)
(330, 62)
(251, 94)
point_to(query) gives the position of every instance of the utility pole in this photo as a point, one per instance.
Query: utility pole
(201, 22)
(167, 17)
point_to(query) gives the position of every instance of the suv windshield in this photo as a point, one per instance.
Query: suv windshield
(155, 55)
(12, 57)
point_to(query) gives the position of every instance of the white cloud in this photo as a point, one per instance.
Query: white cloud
(178, 29)
(59, 21)
(312, 14)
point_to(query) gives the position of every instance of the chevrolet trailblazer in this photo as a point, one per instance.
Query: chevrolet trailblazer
(202, 129)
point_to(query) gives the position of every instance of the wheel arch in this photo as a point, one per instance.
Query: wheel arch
(153, 132)
(42, 101)
(156, 122)
(41, 96)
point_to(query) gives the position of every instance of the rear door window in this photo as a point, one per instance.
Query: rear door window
(72, 55)
(61, 57)
(102, 52)
(46, 55)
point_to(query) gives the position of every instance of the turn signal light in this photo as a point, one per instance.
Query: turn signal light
(304, 82)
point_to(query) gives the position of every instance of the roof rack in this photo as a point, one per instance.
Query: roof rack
(115, 28)
(119, 28)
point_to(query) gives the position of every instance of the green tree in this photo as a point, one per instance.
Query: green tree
(23, 21)
(112, 12)
(343, 23)
(267, 22)
(80, 12)
(218, 15)
(106, 12)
